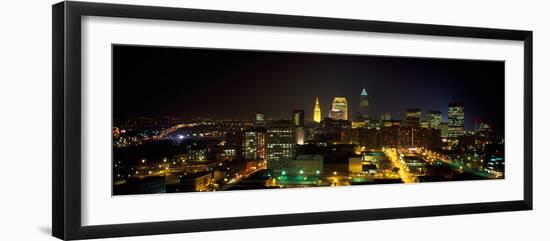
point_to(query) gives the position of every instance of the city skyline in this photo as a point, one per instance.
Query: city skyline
(422, 115)
(223, 120)
(483, 100)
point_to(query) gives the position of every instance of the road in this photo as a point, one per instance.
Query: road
(457, 165)
(405, 176)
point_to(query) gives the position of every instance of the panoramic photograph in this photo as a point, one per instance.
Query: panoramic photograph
(205, 120)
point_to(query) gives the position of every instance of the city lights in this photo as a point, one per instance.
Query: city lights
(305, 120)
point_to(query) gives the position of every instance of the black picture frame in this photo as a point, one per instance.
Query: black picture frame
(66, 47)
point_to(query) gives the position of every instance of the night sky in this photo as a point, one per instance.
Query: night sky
(190, 82)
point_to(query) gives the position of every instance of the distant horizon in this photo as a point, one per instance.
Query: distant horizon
(234, 84)
(307, 117)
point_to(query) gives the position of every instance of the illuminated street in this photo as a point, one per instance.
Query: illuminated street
(200, 120)
(405, 176)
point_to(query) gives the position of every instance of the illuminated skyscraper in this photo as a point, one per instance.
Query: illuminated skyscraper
(337, 114)
(364, 104)
(339, 109)
(412, 117)
(298, 117)
(456, 119)
(254, 144)
(434, 118)
(280, 141)
(298, 120)
(385, 116)
(259, 120)
(250, 145)
(317, 111)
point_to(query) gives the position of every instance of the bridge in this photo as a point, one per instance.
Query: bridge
(167, 132)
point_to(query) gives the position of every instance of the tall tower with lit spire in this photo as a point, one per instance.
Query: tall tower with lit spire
(317, 111)
(364, 104)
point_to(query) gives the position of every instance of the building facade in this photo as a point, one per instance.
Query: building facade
(259, 119)
(255, 144)
(336, 114)
(444, 129)
(339, 108)
(303, 165)
(456, 120)
(298, 117)
(434, 119)
(299, 129)
(364, 104)
(412, 117)
(280, 141)
(317, 111)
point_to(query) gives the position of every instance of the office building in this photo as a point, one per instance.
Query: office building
(434, 119)
(255, 144)
(412, 117)
(339, 109)
(298, 117)
(336, 114)
(303, 165)
(280, 141)
(259, 119)
(425, 123)
(456, 120)
(299, 130)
